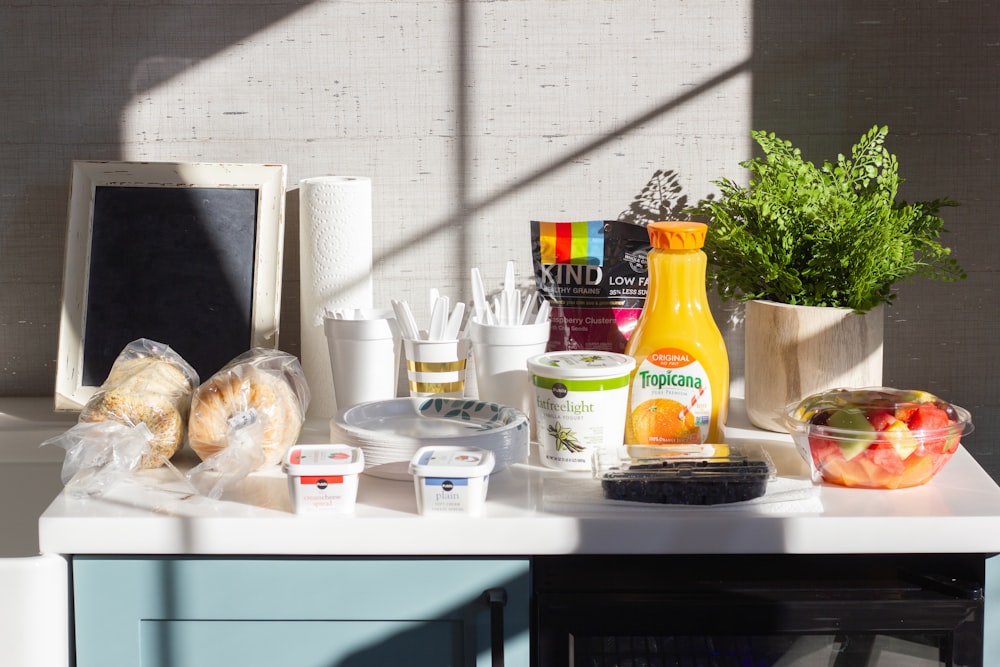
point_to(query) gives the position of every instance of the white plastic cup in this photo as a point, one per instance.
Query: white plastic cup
(436, 367)
(364, 356)
(501, 356)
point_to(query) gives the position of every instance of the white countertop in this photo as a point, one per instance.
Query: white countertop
(533, 511)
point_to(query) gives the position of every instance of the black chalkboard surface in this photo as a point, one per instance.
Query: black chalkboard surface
(184, 254)
(174, 265)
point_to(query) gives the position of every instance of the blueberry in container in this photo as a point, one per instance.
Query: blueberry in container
(740, 474)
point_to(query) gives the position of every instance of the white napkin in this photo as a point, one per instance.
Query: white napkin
(784, 495)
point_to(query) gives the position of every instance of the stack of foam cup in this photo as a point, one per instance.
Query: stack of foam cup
(504, 335)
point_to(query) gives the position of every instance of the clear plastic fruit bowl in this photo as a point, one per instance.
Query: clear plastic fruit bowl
(876, 437)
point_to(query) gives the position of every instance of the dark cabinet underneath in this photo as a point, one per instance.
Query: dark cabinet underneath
(843, 610)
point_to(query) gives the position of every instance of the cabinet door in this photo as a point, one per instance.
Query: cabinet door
(308, 612)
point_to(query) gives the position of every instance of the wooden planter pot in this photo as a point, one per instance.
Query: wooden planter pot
(795, 351)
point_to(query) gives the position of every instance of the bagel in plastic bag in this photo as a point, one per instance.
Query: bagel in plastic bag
(262, 393)
(150, 384)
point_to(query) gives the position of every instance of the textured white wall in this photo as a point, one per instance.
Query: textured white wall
(472, 118)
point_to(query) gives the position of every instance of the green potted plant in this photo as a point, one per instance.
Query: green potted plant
(815, 250)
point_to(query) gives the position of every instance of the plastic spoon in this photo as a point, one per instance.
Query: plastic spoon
(543, 312)
(439, 318)
(509, 294)
(479, 298)
(407, 325)
(454, 322)
(522, 317)
(509, 278)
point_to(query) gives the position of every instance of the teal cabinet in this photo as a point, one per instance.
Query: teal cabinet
(299, 612)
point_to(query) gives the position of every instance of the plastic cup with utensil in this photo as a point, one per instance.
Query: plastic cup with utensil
(436, 358)
(501, 356)
(436, 367)
(364, 354)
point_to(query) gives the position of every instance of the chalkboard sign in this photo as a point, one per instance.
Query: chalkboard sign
(188, 255)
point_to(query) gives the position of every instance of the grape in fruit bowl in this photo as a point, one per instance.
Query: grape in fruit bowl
(876, 437)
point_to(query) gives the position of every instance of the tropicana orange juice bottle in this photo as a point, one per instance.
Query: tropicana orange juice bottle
(679, 391)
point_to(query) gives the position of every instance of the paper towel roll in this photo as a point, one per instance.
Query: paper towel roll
(335, 255)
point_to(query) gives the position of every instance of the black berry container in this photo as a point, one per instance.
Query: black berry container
(730, 474)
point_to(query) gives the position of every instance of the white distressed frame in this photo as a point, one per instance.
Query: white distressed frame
(267, 179)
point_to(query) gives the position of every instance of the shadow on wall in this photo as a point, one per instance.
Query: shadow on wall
(663, 198)
(81, 120)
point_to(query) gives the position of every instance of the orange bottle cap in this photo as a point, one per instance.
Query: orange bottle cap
(677, 235)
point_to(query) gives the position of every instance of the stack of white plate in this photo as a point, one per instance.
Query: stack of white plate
(390, 432)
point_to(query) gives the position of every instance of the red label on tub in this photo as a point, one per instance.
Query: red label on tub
(329, 479)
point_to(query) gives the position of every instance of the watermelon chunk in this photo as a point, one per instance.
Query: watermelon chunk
(881, 419)
(928, 416)
(885, 456)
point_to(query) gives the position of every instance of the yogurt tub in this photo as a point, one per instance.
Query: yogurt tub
(323, 479)
(581, 400)
(451, 480)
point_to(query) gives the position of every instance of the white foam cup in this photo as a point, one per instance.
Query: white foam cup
(501, 356)
(364, 356)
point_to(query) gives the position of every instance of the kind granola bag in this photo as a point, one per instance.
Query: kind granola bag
(593, 275)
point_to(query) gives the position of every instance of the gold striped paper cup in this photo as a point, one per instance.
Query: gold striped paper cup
(436, 367)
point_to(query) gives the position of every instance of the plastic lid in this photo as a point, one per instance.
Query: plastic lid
(677, 235)
(815, 410)
(742, 473)
(326, 459)
(581, 364)
(455, 462)
(709, 461)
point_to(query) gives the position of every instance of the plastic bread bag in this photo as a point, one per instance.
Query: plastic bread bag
(99, 455)
(245, 417)
(149, 383)
(135, 420)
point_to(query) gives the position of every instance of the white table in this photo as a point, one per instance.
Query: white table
(956, 512)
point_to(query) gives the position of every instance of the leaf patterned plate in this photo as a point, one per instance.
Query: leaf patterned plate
(390, 432)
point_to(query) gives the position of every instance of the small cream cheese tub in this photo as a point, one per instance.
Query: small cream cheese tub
(581, 401)
(323, 479)
(450, 479)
